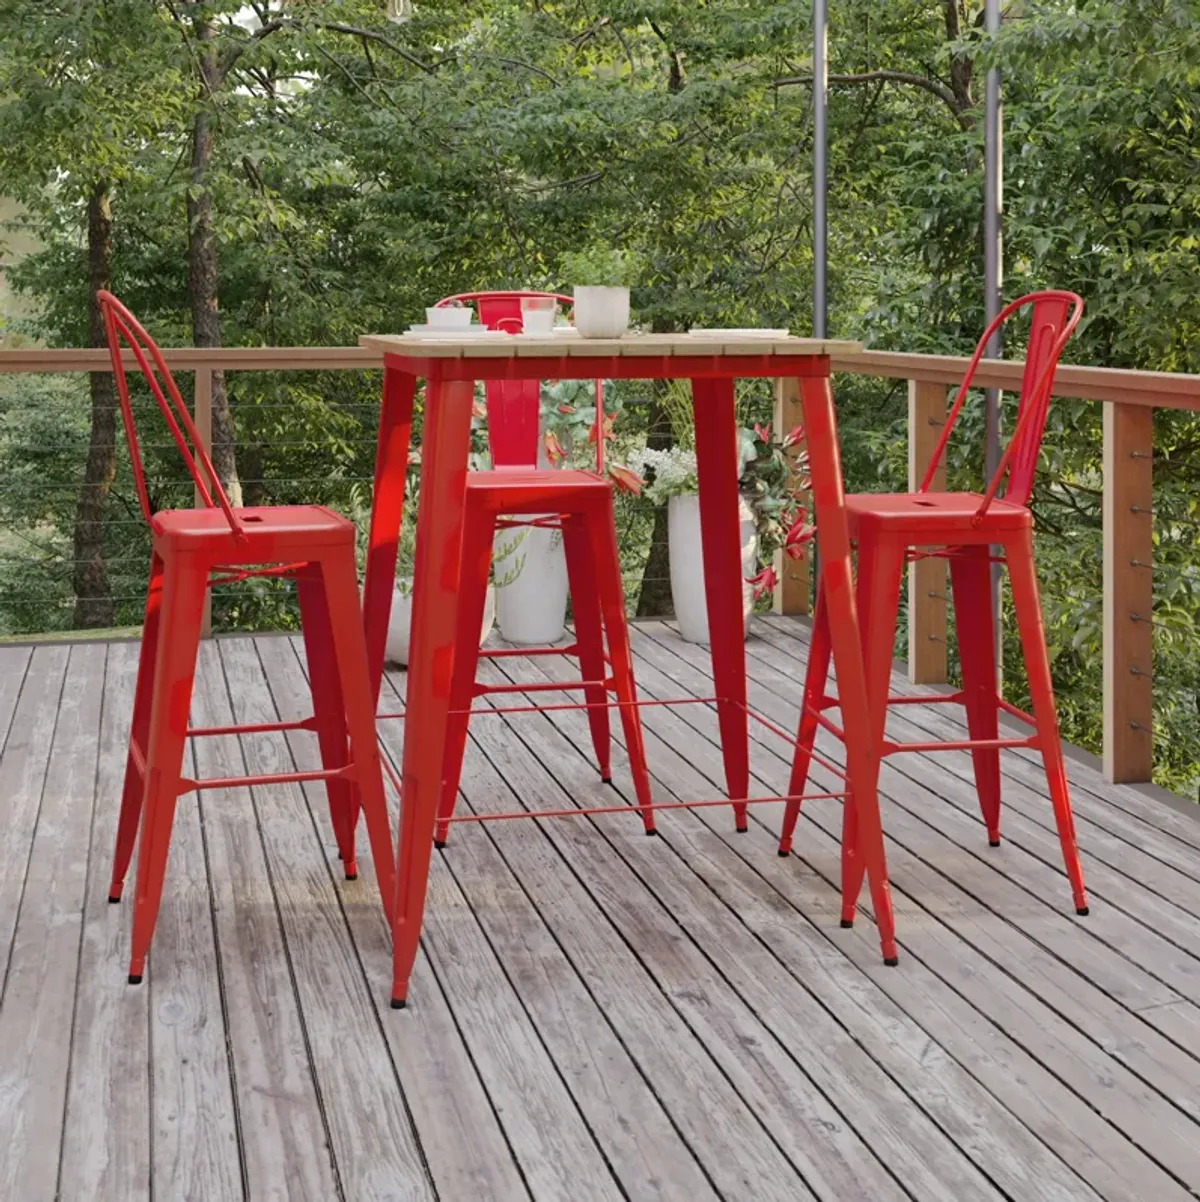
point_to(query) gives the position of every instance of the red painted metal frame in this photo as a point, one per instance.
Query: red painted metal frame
(892, 530)
(189, 548)
(448, 396)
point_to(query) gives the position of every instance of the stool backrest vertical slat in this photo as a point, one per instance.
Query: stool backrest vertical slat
(1053, 318)
(120, 326)
(514, 406)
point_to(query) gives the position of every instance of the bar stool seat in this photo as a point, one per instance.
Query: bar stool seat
(267, 528)
(932, 515)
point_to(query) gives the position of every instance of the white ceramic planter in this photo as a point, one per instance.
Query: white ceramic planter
(687, 565)
(400, 623)
(531, 593)
(601, 312)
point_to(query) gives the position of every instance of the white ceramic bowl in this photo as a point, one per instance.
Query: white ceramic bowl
(449, 317)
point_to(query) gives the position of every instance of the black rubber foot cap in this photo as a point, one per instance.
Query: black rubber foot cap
(606, 780)
(135, 978)
(1082, 911)
(993, 843)
(398, 1003)
(741, 830)
(652, 831)
(352, 876)
(114, 900)
(439, 843)
(783, 853)
(847, 923)
(891, 961)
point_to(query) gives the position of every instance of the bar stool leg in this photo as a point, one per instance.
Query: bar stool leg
(971, 586)
(185, 583)
(880, 569)
(815, 677)
(479, 531)
(329, 711)
(340, 577)
(1037, 666)
(589, 637)
(139, 734)
(603, 534)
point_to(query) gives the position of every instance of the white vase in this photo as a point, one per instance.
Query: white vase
(686, 551)
(400, 622)
(600, 311)
(531, 585)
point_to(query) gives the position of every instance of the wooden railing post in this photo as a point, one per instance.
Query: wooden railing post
(926, 577)
(793, 590)
(202, 416)
(1128, 592)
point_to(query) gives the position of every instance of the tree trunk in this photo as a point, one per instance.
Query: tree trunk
(202, 261)
(654, 596)
(93, 597)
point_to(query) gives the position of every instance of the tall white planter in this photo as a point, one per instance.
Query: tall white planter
(400, 623)
(687, 565)
(531, 589)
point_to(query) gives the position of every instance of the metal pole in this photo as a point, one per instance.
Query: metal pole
(820, 165)
(820, 187)
(993, 269)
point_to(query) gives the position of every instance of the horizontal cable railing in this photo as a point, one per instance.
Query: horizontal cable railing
(1129, 399)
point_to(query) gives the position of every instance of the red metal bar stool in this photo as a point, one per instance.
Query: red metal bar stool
(217, 544)
(578, 503)
(963, 528)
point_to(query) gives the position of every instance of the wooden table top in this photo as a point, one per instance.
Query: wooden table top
(513, 346)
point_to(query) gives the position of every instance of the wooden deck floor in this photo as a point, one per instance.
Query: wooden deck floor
(595, 1015)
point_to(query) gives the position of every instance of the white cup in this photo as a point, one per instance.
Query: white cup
(537, 314)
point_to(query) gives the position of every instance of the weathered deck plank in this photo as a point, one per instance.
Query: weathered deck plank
(39, 989)
(704, 1106)
(938, 1087)
(351, 1069)
(111, 1038)
(1060, 1050)
(596, 1014)
(463, 1143)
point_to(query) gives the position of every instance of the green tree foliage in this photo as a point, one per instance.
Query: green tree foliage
(359, 169)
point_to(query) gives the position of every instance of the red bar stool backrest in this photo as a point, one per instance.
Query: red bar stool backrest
(1053, 319)
(514, 406)
(120, 326)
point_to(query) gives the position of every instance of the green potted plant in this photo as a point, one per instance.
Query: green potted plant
(600, 277)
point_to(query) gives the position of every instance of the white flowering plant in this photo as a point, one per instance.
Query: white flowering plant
(664, 473)
(765, 479)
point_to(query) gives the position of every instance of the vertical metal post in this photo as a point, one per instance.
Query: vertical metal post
(820, 165)
(993, 270)
(820, 189)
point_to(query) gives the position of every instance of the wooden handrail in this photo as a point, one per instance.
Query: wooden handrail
(1114, 385)
(189, 358)
(1129, 397)
(1153, 389)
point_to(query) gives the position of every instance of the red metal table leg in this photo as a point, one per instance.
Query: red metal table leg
(717, 472)
(391, 468)
(862, 751)
(445, 448)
